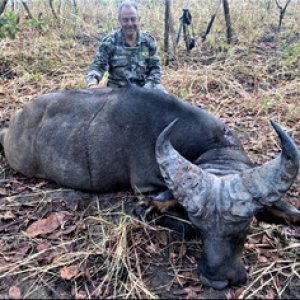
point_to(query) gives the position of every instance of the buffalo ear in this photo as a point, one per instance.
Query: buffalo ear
(279, 213)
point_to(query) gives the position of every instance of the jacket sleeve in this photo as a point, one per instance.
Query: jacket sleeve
(154, 62)
(100, 63)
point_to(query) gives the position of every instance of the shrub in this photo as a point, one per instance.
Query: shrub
(9, 26)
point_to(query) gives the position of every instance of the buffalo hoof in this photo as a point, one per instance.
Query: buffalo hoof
(218, 285)
(144, 212)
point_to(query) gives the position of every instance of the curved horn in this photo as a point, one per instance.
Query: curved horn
(270, 181)
(248, 192)
(181, 176)
(240, 194)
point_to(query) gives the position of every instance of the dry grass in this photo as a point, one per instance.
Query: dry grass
(112, 254)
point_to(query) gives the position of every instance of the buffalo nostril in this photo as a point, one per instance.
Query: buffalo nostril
(243, 277)
(219, 276)
(238, 277)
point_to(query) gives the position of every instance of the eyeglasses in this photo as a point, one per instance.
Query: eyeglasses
(132, 19)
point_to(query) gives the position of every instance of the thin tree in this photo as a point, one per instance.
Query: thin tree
(167, 30)
(75, 7)
(282, 12)
(211, 22)
(173, 38)
(27, 9)
(2, 6)
(52, 9)
(228, 21)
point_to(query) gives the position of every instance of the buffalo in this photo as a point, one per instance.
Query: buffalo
(107, 140)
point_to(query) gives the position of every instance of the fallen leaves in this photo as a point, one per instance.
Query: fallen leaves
(190, 292)
(5, 267)
(43, 246)
(69, 272)
(81, 295)
(3, 192)
(46, 226)
(21, 252)
(9, 215)
(14, 292)
(238, 293)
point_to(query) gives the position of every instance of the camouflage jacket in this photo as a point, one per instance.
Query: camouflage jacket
(139, 64)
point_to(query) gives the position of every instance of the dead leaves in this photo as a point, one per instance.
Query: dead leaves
(190, 292)
(21, 252)
(46, 226)
(53, 242)
(9, 215)
(14, 292)
(273, 264)
(3, 192)
(69, 272)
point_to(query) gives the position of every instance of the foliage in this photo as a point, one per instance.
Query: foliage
(9, 26)
(291, 53)
(35, 23)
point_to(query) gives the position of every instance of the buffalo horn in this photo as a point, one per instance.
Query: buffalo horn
(181, 176)
(270, 181)
(240, 194)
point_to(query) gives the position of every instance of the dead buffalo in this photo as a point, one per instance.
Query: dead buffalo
(108, 140)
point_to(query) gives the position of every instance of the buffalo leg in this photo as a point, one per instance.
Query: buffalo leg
(280, 213)
(176, 218)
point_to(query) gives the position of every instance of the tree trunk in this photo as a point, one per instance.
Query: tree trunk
(27, 9)
(185, 36)
(173, 36)
(52, 9)
(282, 12)
(75, 7)
(2, 6)
(204, 35)
(228, 21)
(167, 30)
(15, 6)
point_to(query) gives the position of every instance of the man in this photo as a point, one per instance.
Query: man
(129, 55)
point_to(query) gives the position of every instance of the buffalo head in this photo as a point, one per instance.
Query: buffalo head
(221, 207)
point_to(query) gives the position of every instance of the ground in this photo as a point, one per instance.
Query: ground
(60, 243)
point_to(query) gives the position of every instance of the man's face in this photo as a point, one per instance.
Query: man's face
(129, 21)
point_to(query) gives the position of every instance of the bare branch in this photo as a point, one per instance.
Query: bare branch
(278, 4)
(282, 11)
(287, 3)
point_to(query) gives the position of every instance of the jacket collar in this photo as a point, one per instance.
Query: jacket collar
(123, 41)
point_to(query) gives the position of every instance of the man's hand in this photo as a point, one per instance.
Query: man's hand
(100, 85)
(94, 86)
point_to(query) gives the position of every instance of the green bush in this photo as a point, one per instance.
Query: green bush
(9, 25)
(34, 23)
